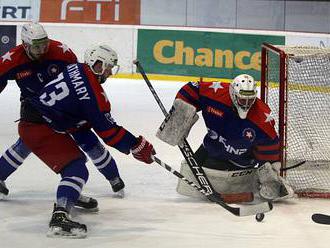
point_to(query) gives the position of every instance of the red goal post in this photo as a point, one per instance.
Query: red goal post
(295, 83)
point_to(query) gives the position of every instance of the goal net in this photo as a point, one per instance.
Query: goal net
(295, 83)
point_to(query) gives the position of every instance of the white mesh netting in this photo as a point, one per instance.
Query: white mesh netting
(308, 115)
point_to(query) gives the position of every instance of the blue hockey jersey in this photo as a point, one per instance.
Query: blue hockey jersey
(245, 142)
(76, 99)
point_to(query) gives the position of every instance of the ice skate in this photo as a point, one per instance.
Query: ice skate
(62, 226)
(3, 190)
(87, 203)
(118, 186)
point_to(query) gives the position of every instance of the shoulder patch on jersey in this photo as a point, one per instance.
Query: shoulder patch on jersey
(249, 134)
(53, 70)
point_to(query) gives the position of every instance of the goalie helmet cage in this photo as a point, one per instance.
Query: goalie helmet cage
(295, 83)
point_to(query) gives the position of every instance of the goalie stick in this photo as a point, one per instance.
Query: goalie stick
(228, 198)
(197, 170)
(321, 219)
(231, 198)
(293, 166)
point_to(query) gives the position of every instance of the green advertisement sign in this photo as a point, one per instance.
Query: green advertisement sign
(206, 54)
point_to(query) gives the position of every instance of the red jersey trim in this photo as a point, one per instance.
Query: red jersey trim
(13, 58)
(117, 137)
(190, 92)
(17, 56)
(256, 113)
(108, 133)
(179, 96)
(258, 117)
(59, 51)
(267, 157)
(264, 148)
(220, 95)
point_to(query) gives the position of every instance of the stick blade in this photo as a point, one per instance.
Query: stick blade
(248, 210)
(238, 197)
(321, 219)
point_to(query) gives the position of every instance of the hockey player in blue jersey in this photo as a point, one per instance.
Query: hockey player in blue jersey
(73, 101)
(240, 152)
(33, 63)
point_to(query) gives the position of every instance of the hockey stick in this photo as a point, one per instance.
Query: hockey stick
(185, 148)
(245, 210)
(228, 198)
(293, 166)
(321, 219)
(197, 170)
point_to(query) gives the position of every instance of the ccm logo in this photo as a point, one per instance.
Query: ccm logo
(242, 173)
(14, 12)
(98, 8)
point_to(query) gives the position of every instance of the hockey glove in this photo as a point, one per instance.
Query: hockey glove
(143, 150)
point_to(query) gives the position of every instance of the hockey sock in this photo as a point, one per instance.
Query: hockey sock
(74, 177)
(100, 156)
(13, 158)
(103, 161)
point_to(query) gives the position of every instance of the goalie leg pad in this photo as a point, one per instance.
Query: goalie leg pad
(225, 182)
(178, 123)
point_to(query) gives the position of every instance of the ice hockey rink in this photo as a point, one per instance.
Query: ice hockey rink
(152, 214)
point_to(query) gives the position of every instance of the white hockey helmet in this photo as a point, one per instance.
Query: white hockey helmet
(243, 93)
(35, 40)
(102, 59)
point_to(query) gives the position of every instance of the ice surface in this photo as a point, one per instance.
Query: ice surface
(152, 214)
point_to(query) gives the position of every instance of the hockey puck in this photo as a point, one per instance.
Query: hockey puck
(260, 217)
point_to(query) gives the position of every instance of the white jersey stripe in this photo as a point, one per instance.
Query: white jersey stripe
(11, 162)
(99, 159)
(15, 155)
(70, 184)
(101, 166)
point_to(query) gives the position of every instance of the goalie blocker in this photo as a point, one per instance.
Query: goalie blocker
(177, 124)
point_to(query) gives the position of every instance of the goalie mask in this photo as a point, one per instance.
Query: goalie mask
(103, 60)
(35, 40)
(243, 93)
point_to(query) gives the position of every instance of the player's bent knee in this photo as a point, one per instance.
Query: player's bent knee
(86, 139)
(76, 168)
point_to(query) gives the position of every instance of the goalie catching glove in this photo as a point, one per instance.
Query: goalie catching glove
(272, 185)
(143, 150)
(176, 126)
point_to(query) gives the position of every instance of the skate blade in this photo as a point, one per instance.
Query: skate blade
(57, 232)
(87, 210)
(3, 197)
(119, 194)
